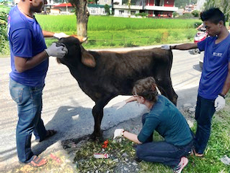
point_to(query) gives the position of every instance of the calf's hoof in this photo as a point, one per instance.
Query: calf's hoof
(97, 137)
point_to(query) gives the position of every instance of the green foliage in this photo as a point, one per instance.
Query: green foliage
(186, 16)
(183, 3)
(224, 6)
(141, 14)
(118, 151)
(3, 32)
(175, 14)
(195, 13)
(4, 9)
(196, 24)
(107, 10)
(5, 2)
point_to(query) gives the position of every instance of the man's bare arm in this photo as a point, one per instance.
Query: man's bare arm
(47, 33)
(23, 64)
(185, 46)
(227, 83)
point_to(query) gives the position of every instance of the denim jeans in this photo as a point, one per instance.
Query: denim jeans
(162, 152)
(29, 104)
(204, 112)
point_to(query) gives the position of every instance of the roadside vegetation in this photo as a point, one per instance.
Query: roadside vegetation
(111, 32)
(4, 48)
(108, 32)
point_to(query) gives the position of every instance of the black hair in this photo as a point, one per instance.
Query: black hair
(213, 15)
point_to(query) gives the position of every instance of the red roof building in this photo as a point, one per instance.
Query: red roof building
(160, 8)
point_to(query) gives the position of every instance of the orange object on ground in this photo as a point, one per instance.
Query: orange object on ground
(105, 145)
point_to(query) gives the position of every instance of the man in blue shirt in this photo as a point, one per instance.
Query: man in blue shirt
(29, 65)
(167, 120)
(215, 78)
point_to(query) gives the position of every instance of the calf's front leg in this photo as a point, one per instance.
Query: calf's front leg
(98, 115)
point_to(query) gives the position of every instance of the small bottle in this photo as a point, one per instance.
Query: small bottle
(100, 155)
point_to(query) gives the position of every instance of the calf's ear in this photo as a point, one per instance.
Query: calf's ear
(87, 59)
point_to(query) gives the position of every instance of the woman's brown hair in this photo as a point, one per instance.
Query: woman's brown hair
(146, 88)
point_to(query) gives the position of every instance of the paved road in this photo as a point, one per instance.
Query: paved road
(68, 110)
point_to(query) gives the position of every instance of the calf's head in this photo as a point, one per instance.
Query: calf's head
(76, 53)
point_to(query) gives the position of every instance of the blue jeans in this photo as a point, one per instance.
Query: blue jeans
(162, 152)
(29, 104)
(204, 112)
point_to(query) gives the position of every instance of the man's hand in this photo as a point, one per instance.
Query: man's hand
(60, 35)
(57, 51)
(119, 105)
(118, 133)
(219, 103)
(166, 47)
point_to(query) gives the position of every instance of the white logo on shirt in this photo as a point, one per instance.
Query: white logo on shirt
(217, 54)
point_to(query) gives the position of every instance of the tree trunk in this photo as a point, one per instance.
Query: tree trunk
(82, 15)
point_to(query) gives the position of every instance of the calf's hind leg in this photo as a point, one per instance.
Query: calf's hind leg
(166, 89)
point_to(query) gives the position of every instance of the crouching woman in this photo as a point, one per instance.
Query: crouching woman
(167, 120)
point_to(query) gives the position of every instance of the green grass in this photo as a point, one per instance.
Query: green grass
(111, 32)
(109, 23)
(108, 32)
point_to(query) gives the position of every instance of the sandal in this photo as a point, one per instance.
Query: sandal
(193, 152)
(37, 161)
(49, 133)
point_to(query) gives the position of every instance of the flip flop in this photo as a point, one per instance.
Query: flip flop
(49, 133)
(37, 161)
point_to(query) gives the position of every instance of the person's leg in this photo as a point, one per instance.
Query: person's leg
(28, 118)
(22, 96)
(39, 129)
(162, 152)
(204, 112)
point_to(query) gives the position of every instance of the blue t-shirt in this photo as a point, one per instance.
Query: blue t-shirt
(26, 40)
(215, 66)
(168, 121)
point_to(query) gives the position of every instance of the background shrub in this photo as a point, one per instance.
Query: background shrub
(3, 33)
(196, 13)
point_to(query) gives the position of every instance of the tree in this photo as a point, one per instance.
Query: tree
(82, 15)
(195, 13)
(222, 4)
(183, 3)
(107, 9)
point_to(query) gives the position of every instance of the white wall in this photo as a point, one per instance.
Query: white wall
(103, 2)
